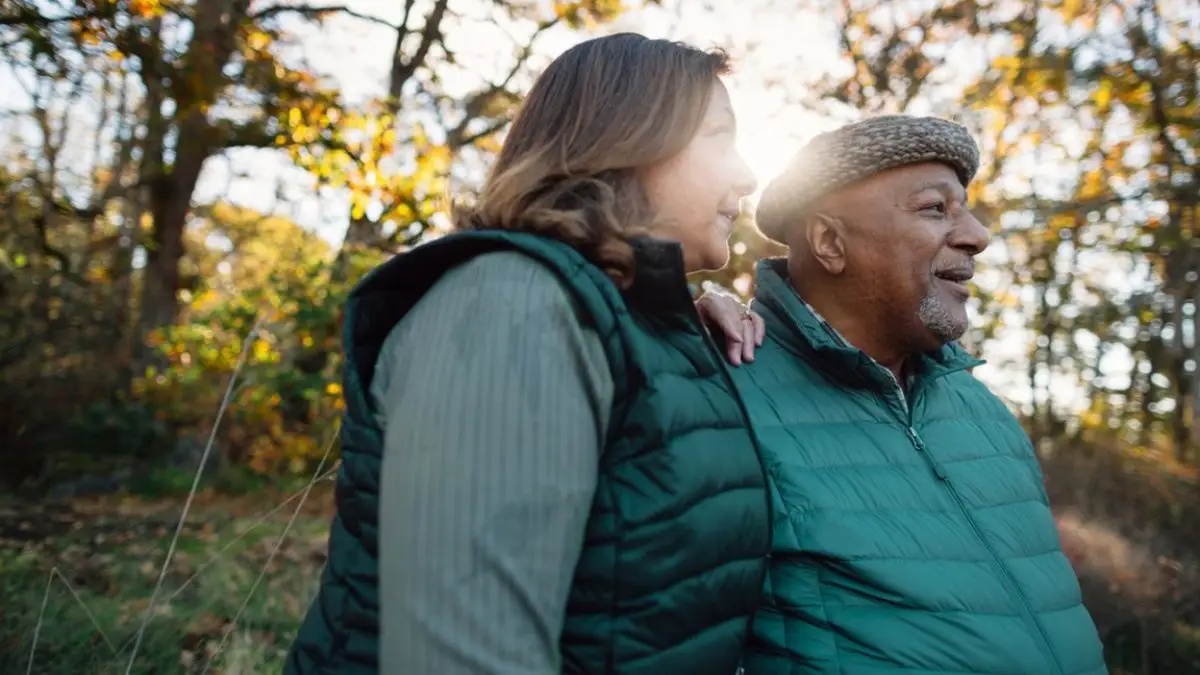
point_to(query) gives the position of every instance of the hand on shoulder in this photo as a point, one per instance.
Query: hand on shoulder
(742, 327)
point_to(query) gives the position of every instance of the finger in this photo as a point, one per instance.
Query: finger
(734, 338)
(726, 318)
(760, 328)
(733, 350)
(731, 325)
(724, 314)
(748, 342)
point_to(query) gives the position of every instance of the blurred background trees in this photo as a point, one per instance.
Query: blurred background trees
(127, 294)
(187, 184)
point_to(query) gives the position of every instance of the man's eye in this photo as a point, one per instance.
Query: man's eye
(939, 207)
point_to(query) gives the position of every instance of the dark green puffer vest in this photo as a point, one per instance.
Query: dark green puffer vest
(912, 533)
(676, 544)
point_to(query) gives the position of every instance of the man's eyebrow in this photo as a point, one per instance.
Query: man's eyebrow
(941, 185)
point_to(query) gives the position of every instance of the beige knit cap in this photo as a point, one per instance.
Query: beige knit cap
(856, 151)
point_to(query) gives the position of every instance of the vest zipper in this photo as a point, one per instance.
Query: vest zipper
(1006, 579)
(762, 467)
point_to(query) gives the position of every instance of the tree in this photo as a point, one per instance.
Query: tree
(110, 260)
(180, 82)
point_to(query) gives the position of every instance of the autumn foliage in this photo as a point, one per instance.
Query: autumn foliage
(130, 307)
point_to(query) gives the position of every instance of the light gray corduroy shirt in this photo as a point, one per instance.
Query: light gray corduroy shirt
(494, 399)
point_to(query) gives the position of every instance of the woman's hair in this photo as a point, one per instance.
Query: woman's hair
(600, 112)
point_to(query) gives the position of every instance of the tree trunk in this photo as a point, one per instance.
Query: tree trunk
(216, 25)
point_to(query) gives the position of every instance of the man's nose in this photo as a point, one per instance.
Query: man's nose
(970, 234)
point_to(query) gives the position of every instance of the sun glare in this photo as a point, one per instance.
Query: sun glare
(769, 131)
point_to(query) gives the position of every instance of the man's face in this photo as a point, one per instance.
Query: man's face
(910, 249)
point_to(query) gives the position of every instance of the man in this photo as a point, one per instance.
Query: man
(912, 532)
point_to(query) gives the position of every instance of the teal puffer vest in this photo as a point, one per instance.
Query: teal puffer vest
(912, 534)
(676, 544)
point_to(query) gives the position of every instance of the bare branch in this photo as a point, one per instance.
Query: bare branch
(458, 136)
(408, 7)
(318, 11)
(402, 71)
(464, 141)
(64, 261)
(25, 15)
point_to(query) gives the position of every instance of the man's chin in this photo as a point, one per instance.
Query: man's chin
(945, 326)
(946, 333)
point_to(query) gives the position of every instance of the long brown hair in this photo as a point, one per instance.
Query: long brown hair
(600, 112)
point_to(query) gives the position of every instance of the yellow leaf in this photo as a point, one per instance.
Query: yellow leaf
(258, 40)
(145, 8)
(262, 350)
(1007, 62)
(1104, 94)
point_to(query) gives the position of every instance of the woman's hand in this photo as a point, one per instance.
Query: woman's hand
(743, 328)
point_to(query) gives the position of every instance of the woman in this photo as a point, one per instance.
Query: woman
(544, 456)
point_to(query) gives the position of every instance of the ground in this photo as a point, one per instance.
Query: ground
(76, 578)
(101, 558)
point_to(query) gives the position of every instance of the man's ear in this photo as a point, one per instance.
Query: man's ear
(826, 239)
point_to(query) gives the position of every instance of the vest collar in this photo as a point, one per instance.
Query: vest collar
(660, 286)
(798, 326)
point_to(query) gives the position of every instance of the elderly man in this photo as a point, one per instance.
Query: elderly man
(912, 532)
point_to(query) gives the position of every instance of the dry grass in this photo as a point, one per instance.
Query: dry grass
(94, 565)
(1127, 520)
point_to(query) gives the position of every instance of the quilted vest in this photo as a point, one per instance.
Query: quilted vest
(676, 543)
(912, 532)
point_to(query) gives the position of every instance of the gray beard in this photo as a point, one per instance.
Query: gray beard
(939, 320)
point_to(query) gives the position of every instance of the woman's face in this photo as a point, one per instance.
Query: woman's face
(696, 195)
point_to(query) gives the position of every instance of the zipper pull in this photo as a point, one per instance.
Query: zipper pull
(920, 446)
(916, 440)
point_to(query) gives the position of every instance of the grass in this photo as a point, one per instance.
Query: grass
(110, 552)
